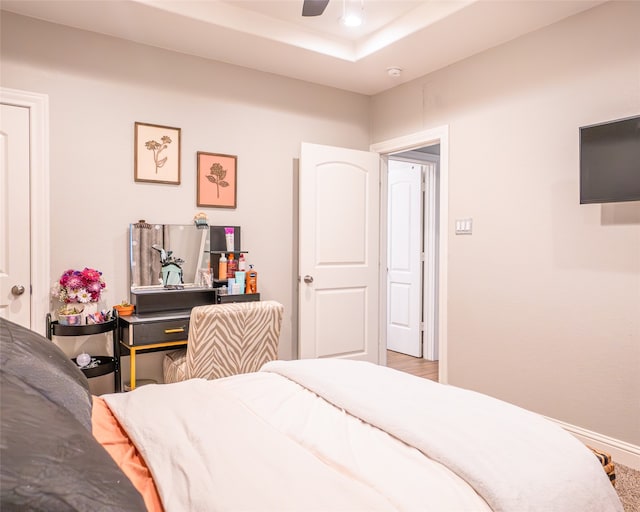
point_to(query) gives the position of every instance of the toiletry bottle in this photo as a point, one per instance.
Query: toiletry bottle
(232, 266)
(242, 263)
(252, 280)
(229, 236)
(222, 267)
(241, 280)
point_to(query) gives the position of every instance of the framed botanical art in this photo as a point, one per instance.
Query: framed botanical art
(217, 180)
(157, 154)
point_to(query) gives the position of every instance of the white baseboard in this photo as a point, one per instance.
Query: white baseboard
(621, 452)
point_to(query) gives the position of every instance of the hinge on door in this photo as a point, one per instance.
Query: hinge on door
(422, 326)
(422, 256)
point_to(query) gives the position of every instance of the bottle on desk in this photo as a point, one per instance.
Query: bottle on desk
(240, 282)
(252, 280)
(232, 266)
(222, 267)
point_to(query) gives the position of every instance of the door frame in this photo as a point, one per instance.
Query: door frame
(39, 225)
(437, 135)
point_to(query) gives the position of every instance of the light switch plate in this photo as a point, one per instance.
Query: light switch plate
(464, 226)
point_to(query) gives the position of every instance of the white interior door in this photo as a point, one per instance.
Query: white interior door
(339, 253)
(15, 279)
(404, 258)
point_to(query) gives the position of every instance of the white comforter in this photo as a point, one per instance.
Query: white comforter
(267, 442)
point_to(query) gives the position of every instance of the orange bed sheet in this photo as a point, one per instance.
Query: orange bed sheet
(109, 433)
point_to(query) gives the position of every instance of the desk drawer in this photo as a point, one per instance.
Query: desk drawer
(156, 332)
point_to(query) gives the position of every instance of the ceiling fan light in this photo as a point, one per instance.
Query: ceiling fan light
(352, 20)
(352, 13)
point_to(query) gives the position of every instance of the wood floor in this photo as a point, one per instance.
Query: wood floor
(413, 365)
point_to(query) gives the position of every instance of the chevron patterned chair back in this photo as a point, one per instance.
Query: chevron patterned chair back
(227, 339)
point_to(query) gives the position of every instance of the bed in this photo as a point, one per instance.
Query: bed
(325, 435)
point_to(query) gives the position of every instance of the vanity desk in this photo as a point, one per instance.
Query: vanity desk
(161, 319)
(165, 330)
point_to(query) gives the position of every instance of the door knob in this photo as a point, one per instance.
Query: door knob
(308, 279)
(17, 289)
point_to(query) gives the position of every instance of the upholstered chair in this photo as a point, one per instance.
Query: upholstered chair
(226, 339)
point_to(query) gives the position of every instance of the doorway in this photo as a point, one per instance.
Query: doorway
(412, 240)
(438, 136)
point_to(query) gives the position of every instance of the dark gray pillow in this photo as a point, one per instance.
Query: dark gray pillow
(50, 462)
(43, 366)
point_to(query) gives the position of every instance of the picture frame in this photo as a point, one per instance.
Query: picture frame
(217, 177)
(157, 153)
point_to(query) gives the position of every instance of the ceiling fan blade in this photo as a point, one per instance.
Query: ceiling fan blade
(314, 7)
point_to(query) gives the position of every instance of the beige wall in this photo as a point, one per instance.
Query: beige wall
(544, 297)
(99, 86)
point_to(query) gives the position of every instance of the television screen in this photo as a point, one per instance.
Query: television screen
(610, 161)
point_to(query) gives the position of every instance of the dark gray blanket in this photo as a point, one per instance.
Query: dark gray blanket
(50, 461)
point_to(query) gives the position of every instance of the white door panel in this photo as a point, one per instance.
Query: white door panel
(404, 275)
(14, 219)
(340, 317)
(400, 301)
(341, 196)
(339, 253)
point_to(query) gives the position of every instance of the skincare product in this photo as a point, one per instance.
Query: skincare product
(240, 279)
(229, 237)
(252, 280)
(222, 267)
(242, 263)
(232, 266)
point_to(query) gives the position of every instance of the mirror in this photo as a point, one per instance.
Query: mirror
(185, 241)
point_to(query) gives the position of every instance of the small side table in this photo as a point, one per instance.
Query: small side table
(106, 364)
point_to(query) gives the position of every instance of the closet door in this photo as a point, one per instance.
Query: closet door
(15, 270)
(404, 258)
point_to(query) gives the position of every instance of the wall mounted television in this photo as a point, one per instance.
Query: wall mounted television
(610, 161)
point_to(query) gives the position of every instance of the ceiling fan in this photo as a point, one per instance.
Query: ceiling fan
(314, 7)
